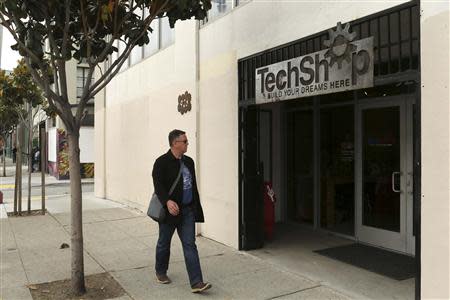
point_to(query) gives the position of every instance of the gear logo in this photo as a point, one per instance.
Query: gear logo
(184, 103)
(339, 44)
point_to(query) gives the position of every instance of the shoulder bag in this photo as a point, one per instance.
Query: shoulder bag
(155, 209)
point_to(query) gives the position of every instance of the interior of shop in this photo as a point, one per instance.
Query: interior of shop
(339, 164)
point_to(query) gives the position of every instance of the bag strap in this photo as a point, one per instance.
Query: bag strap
(176, 181)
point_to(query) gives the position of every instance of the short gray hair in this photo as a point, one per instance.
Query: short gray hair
(174, 134)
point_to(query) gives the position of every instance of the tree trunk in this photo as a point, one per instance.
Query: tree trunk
(16, 182)
(43, 156)
(16, 174)
(4, 161)
(30, 154)
(78, 284)
(19, 173)
(3, 158)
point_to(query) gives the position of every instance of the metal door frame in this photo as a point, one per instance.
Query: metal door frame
(403, 240)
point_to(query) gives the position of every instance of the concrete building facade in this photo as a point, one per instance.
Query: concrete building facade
(369, 163)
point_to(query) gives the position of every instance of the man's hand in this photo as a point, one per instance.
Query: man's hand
(174, 210)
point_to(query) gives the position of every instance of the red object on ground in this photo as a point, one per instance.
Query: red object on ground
(269, 210)
(1, 197)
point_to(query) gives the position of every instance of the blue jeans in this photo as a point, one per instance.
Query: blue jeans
(186, 232)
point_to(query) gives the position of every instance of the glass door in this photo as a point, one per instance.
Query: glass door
(300, 167)
(251, 181)
(384, 181)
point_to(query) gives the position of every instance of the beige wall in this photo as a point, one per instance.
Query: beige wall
(141, 108)
(243, 32)
(139, 111)
(435, 150)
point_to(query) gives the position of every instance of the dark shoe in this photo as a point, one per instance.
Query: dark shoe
(163, 279)
(200, 287)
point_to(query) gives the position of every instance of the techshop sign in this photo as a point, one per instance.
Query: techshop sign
(345, 65)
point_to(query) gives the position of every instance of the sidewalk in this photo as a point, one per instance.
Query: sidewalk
(121, 240)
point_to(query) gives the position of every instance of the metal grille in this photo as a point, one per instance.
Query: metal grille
(396, 46)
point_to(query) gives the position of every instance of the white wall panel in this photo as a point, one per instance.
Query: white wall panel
(52, 144)
(87, 147)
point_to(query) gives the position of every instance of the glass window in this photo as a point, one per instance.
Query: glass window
(137, 52)
(121, 47)
(240, 2)
(336, 98)
(136, 55)
(114, 55)
(218, 8)
(398, 88)
(167, 34)
(381, 160)
(302, 103)
(337, 180)
(153, 46)
(82, 73)
(88, 120)
(161, 37)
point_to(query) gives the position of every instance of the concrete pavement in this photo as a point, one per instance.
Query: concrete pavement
(121, 240)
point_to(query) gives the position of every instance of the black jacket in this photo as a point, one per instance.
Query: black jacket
(165, 171)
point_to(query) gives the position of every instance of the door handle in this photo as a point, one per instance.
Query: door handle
(393, 182)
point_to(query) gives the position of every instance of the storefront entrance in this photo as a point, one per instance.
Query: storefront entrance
(341, 162)
(384, 173)
(348, 166)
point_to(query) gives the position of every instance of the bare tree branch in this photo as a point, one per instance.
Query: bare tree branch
(67, 4)
(62, 63)
(100, 69)
(118, 64)
(62, 79)
(55, 58)
(88, 89)
(86, 32)
(56, 80)
(113, 70)
(21, 117)
(44, 84)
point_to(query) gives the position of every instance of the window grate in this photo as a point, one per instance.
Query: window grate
(396, 46)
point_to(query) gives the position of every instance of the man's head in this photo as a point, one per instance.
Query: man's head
(178, 141)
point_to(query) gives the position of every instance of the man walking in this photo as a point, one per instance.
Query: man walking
(183, 209)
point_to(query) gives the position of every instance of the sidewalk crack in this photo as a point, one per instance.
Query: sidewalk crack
(294, 292)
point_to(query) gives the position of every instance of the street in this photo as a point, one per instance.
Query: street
(54, 188)
(51, 190)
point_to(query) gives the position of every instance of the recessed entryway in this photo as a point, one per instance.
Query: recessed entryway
(293, 248)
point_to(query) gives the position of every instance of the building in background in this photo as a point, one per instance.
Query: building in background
(57, 143)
